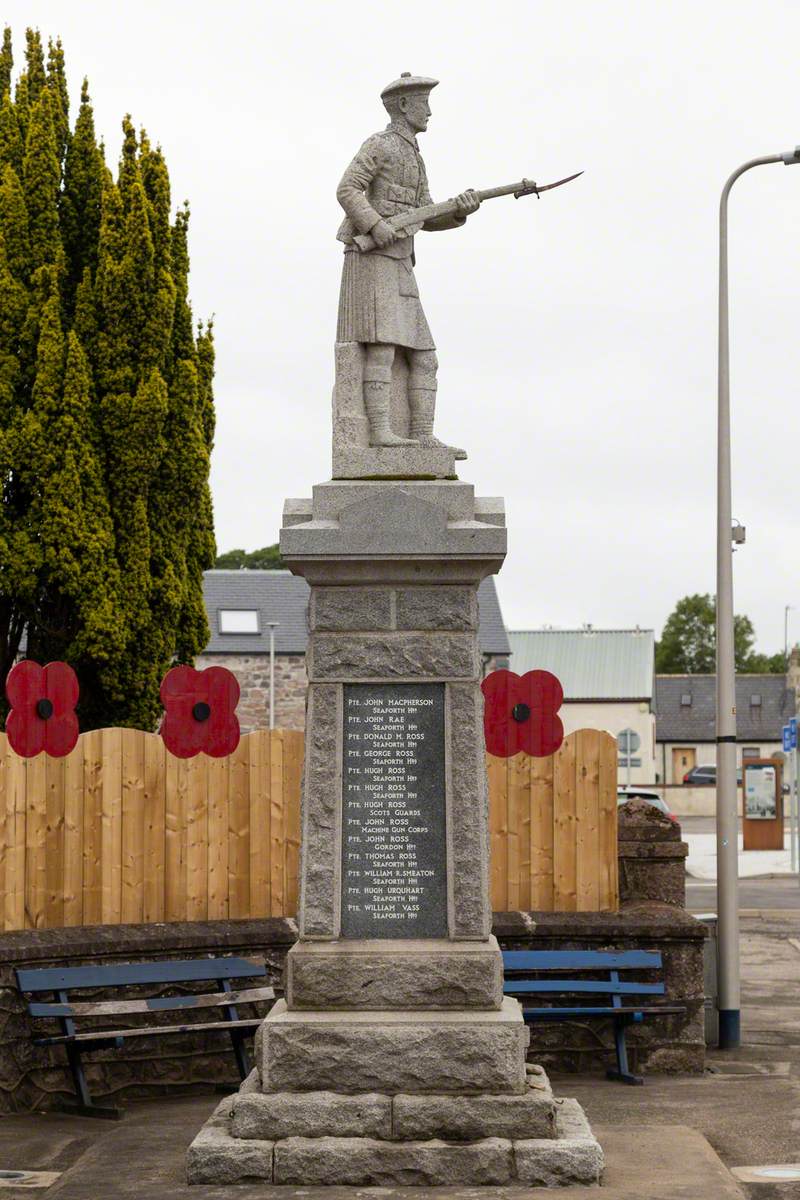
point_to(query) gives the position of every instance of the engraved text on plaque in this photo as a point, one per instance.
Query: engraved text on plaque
(394, 875)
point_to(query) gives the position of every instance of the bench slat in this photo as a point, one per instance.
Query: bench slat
(153, 1031)
(578, 960)
(559, 1014)
(190, 970)
(608, 987)
(113, 1008)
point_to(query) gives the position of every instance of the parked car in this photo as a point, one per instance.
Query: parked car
(701, 775)
(706, 775)
(636, 793)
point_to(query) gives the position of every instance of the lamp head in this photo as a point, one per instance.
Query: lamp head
(791, 156)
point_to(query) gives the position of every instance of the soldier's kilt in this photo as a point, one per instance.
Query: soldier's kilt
(379, 302)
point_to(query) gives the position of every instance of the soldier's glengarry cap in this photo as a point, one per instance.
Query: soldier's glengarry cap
(408, 83)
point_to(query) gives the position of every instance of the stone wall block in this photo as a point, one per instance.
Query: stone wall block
(417, 1054)
(470, 1118)
(252, 674)
(319, 869)
(469, 816)
(573, 1157)
(652, 871)
(311, 1114)
(354, 657)
(362, 1162)
(443, 608)
(347, 608)
(376, 980)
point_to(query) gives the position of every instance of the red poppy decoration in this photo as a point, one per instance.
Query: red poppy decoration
(521, 713)
(200, 711)
(42, 715)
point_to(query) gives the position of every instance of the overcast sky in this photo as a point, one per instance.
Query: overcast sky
(576, 334)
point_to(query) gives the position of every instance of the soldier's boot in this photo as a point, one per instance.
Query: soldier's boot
(422, 404)
(377, 402)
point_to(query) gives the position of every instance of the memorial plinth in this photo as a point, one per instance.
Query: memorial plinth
(394, 1057)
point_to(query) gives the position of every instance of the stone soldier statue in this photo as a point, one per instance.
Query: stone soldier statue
(379, 303)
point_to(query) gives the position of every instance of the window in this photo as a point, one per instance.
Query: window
(750, 752)
(686, 700)
(755, 700)
(238, 620)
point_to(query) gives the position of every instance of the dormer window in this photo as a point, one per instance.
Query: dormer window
(686, 700)
(238, 620)
(755, 700)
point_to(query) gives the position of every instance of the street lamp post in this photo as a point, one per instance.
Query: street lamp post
(786, 609)
(727, 814)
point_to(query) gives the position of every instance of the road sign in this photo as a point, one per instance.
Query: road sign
(793, 730)
(787, 738)
(629, 741)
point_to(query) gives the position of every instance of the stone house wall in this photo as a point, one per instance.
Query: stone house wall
(291, 685)
(252, 672)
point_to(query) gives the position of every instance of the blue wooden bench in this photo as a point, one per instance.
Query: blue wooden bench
(61, 981)
(523, 969)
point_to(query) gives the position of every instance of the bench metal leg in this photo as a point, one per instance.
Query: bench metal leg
(237, 1036)
(85, 1106)
(622, 1074)
(240, 1051)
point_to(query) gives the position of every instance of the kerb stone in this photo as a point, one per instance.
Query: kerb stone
(272, 1116)
(361, 1162)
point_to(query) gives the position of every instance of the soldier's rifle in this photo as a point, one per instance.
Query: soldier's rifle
(449, 208)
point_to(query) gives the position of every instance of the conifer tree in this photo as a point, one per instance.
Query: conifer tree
(106, 403)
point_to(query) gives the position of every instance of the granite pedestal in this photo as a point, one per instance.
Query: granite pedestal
(395, 1059)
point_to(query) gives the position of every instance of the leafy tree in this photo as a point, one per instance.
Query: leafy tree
(106, 403)
(688, 642)
(268, 558)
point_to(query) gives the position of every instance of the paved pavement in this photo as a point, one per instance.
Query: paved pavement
(673, 1139)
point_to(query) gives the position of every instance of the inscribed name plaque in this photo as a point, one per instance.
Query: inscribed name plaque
(394, 873)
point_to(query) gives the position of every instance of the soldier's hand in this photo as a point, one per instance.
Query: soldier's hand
(467, 202)
(383, 234)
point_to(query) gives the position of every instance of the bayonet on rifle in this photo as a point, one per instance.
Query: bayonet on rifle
(448, 208)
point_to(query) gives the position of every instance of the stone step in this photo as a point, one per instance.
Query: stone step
(271, 1116)
(573, 1157)
(364, 1162)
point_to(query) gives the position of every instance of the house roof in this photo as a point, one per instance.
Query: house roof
(283, 597)
(275, 595)
(695, 721)
(591, 664)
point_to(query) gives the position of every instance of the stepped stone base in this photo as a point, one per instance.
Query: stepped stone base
(570, 1155)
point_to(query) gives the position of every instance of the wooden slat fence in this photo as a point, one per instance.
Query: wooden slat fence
(120, 831)
(553, 827)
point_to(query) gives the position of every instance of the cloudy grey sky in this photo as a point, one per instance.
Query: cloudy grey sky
(576, 334)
